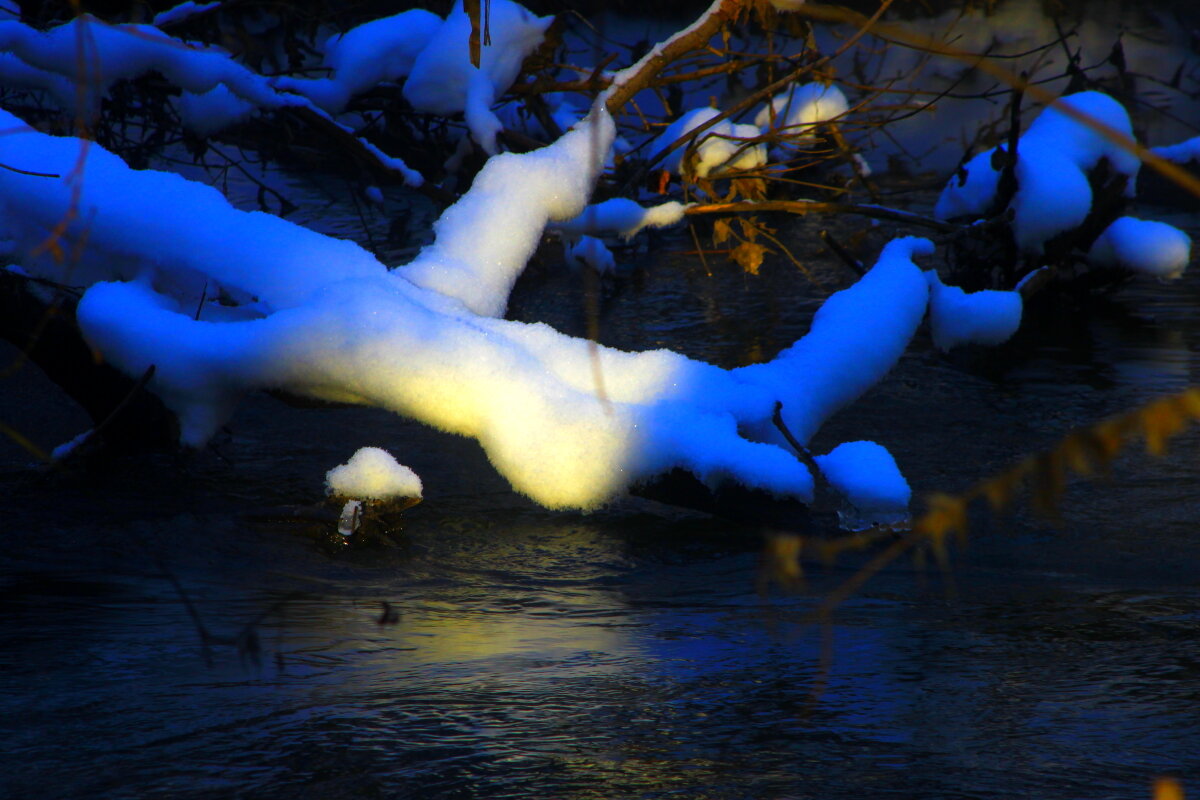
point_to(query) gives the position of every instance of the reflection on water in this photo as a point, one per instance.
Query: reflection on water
(583, 658)
(626, 653)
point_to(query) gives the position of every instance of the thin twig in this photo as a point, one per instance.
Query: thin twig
(850, 261)
(816, 207)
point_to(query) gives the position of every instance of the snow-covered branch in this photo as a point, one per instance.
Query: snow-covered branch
(321, 317)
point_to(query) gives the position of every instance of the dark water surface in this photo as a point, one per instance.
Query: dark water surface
(626, 653)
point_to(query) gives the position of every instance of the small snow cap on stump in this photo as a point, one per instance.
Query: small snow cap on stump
(372, 474)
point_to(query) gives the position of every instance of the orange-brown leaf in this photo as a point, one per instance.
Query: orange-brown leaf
(749, 255)
(721, 232)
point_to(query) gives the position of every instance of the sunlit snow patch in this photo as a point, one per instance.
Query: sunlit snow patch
(719, 149)
(372, 474)
(796, 112)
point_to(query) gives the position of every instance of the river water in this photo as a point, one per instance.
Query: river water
(630, 652)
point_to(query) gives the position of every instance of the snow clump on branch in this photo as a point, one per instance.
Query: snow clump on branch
(797, 112)
(1053, 192)
(379, 51)
(443, 80)
(718, 150)
(321, 317)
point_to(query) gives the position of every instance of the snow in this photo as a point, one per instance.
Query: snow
(1053, 159)
(866, 475)
(443, 80)
(114, 52)
(181, 12)
(590, 252)
(147, 222)
(856, 337)
(379, 51)
(17, 74)
(987, 317)
(1147, 246)
(316, 316)
(795, 113)
(410, 175)
(486, 238)
(1013, 31)
(372, 474)
(65, 449)
(321, 317)
(213, 111)
(217, 91)
(971, 191)
(1183, 152)
(621, 216)
(718, 150)
(312, 315)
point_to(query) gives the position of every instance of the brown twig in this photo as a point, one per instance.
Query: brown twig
(850, 261)
(815, 207)
(896, 33)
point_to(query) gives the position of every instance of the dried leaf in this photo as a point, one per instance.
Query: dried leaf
(721, 232)
(781, 561)
(749, 255)
(664, 179)
(1079, 452)
(1168, 789)
(1190, 402)
(1047, 482)
(749, 228)
(946, 514)
(999, 490)
(1159, 422)
(750, 188)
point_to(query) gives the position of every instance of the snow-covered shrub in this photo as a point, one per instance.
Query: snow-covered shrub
(1071, 177)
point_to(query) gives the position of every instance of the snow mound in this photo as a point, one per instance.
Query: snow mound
(1140, 245)
(443, 80)
(372, 474)
(867, 476)
(988, 317)
(796, 112)
(379, 51)
(718, 150)
(1053, 158)
(590, 252)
